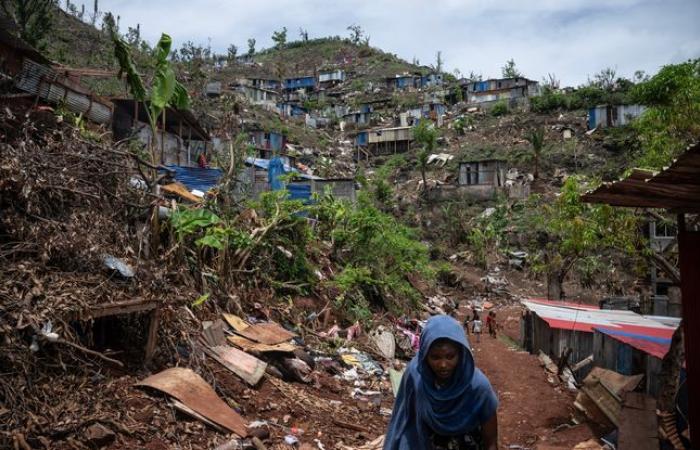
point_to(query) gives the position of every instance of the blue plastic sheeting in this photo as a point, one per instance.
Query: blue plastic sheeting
(276, 141)
(275, 169)
(265, 165)
(195, 177)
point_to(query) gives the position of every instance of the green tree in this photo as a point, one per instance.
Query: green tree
(164, 89)
(280, 37)
(572, 235)
(251, 47)
(509, 70)
(459, 95)
(34, 18)
(672, 120)
(536, 139)
(425, 135)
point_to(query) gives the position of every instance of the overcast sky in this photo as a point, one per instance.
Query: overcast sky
(573, 39)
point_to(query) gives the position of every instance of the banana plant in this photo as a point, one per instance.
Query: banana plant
(164, 91)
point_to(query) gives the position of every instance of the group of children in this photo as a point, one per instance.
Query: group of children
(476, 324)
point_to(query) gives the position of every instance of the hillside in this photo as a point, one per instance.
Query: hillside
(289, 290)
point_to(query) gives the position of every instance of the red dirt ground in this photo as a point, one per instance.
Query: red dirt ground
(530, 407)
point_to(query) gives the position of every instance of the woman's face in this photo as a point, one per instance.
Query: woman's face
(443, 358)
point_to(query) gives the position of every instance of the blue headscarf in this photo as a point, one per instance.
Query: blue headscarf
(455, 409)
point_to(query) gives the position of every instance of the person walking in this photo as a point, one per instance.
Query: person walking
(476, 326)
(444, 402)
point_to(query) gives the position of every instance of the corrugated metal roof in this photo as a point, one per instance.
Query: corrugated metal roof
(586, 318)
(196, 177)
(653, 345)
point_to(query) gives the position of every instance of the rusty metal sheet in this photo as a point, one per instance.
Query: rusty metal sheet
(198, 395)
(247, 367)
(267, 333)
(250, 346)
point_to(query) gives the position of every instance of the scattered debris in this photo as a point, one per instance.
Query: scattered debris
(118, 265)
(191, 389)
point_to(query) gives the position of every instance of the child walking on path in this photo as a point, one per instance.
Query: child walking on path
(476, 326)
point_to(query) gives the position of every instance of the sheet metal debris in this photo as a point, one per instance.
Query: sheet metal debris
(195, 393)
(268, 333)
(118, 265)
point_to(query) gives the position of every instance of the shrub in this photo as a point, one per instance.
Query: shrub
(499, 109)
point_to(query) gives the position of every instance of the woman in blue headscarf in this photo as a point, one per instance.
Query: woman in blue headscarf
(444, 401)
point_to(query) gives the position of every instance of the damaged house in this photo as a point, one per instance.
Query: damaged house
(619, 340)
(360, 116)
(27, 76)
(305, 83)
(486, 178)
(330, 78)
(180, 138)
(259, 95)
(606, 116)
(383, 141)
(404, 82)
(515, 91)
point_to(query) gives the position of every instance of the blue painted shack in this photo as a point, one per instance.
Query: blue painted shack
(604, 116)
(403, 82)
(289, 109)
(305, 82)
(433, 79)
(269, 140)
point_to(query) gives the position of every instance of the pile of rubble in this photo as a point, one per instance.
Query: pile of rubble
(102, 346)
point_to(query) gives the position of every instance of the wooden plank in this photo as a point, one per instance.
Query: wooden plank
(247, 345)
(236, 322)
(191, 389)
(120, 308)
(152, 339)
(249, 368)
(638, 423)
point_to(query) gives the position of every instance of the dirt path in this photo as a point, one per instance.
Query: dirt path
(531, 409)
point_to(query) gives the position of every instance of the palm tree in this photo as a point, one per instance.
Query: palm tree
(536, 139)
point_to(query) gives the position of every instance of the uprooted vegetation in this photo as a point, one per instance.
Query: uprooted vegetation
(69, 202)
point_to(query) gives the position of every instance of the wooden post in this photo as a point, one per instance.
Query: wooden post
(152, 339)
(189, 145)
(689, 256)
(179, 142)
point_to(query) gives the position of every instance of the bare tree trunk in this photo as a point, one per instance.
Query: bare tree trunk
(555, 290)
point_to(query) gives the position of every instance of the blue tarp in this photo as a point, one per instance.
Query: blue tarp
(265, 165)
(275, 169)
(195, 177)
